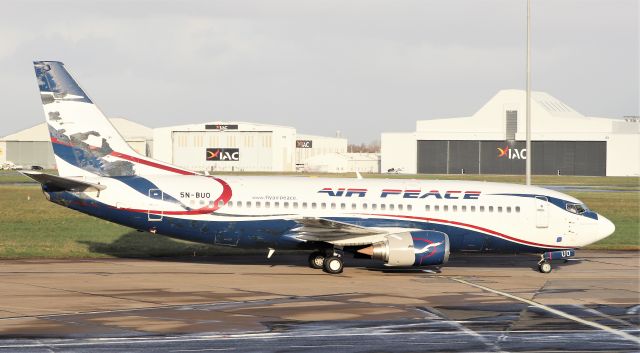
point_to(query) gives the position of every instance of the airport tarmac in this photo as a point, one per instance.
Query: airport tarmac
(253, 304)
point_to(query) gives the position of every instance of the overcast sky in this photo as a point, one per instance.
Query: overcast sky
(362, 67)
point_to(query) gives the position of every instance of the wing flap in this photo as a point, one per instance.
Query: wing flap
(322, 229)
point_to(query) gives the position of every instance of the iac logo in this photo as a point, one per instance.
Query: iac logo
(512, 153)
(223, 154)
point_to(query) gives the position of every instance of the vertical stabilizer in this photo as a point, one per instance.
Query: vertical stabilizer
(84, 141)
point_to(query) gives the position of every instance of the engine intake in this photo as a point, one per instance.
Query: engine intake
(419, 248)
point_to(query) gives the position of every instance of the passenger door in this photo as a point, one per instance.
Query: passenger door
(542, 212)
(156, 196)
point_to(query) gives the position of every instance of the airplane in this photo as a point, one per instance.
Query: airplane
(402, 223)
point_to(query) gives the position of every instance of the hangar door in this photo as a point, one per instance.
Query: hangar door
(509, 157)
(251, 150)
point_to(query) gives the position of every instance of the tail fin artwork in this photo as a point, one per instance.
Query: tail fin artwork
(84, 141)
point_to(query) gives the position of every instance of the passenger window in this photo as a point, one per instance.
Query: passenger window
(399, 207)
(481, 208)
(220, 203)
(391, 207)
(230, 204)
(258, 204)
(333, 206)
(323, 205)
(239, 204)
(314, 205)
(518, 209)
(445, 208)
(455, 208)
(343, 206)
(211, 203)
(285, 205)
(464, 208)
(304, 205)
(353, 206)
(409, 207)
(295, 205)
(374, 206)
(276, 204)
(364, 206)
(509, 209)
(473, 208)
(436, 208)
(267, 204)
(490, 208)
(427, 207)
(248, 204)
(201, 202)
(500, 209)
(383, 207)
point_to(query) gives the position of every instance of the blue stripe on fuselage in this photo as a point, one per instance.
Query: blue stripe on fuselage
(562, 204)
(143, 185)
(276, 233)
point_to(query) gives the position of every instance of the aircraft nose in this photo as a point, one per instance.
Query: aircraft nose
(606, 227)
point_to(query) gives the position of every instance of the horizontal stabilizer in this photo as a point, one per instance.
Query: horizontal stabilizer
(58, 183)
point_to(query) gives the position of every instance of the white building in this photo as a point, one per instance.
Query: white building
(344, 162)
(239, 146)
(32, 146)
(491, 141)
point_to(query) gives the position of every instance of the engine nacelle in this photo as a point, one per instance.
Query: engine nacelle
(418, 248)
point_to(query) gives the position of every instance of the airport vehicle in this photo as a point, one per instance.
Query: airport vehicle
(399, 222)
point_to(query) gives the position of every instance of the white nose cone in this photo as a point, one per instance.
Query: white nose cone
(606, 227)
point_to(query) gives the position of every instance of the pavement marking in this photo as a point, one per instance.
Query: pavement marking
(205, 350)
(603, 315)
(458, 325)
(553, 311)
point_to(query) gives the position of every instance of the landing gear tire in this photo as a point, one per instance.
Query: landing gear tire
(333, 265)
(316, 260)
(544, 267)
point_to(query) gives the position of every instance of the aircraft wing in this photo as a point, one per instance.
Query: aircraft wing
(58, 183)
(322, 229)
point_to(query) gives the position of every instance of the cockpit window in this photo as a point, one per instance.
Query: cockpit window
(576, 208)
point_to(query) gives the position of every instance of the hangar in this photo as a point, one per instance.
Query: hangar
(492, 141)
(240, 146)
(344, 162)
(32, 146)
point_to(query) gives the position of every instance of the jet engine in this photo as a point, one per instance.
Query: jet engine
(417, 248)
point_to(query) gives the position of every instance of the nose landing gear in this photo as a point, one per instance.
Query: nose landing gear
(544, 265)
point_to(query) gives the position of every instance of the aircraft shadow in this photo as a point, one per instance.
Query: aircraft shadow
(142, 245)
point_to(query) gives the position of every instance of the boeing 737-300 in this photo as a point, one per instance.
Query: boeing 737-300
(399, 222)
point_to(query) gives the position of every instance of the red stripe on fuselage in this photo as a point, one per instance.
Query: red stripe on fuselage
(485, 230)
(151, 163)
(134, 159)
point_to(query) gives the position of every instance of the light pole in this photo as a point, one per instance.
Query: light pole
(529, 154)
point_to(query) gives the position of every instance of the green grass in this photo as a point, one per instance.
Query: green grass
(623, 209)
(31, 227)
(619, 183)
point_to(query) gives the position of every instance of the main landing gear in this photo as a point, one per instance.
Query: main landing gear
(329, 261)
